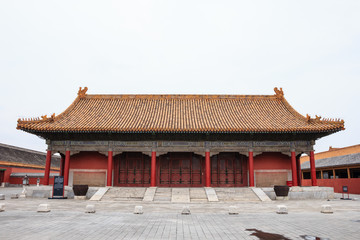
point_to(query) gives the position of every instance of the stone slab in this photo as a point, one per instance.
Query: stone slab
(149, 194)
(211, 194)
(261, 195)
(326, 208)
(90, 208)
(14, 196)
(180, 195)
(138, 210)
(2, 207)
(282, 209)
(99, 194)
(186, 210)
(43, 208)
(2, 196)
(233, 210)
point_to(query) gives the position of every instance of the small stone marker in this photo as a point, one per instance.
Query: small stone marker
(2, 196)
(138, 210)
(282, 209)
(326, 209)
(233, 210)
(2, 207)
(23, 193)
(90, 208)
(43, 208)
(185, 210)
(14, 196)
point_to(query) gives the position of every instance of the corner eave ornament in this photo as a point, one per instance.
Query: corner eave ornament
(82, 92)
(279, 93)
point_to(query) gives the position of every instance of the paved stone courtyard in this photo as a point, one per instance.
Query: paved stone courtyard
(115, 220)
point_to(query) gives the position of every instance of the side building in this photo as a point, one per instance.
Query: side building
(180, 140)
(16, 163)
(335, 168)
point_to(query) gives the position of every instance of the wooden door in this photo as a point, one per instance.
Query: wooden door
(180, 170)
(132, 169)
(228, 170)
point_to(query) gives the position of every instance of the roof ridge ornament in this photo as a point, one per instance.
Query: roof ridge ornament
(46, 118)
(82, 92)
(279, 93)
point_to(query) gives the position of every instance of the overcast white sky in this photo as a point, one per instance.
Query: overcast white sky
(48, 49)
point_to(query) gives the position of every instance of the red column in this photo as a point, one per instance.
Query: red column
(298, 168)
(109, 169)
(207, 170)
(251, 169)
(67, 167)
(153, 169)
(293, 169)
(62, 162)
(313, 169)
(47, 167)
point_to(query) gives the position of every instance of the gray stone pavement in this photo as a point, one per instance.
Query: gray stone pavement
(115, 220)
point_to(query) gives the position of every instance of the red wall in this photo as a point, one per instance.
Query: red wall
(32, 181)
(18, 180)
(337, 183)
(88, 160)
(272, 161)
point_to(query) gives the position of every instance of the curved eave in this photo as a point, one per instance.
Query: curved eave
(34, 131)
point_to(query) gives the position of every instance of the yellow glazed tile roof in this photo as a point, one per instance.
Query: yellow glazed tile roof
(179, 114)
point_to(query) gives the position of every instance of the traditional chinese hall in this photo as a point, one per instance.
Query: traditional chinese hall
(180, 140)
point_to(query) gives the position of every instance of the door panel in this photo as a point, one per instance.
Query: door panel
(227, 170)
(132, 169)
(180, 170)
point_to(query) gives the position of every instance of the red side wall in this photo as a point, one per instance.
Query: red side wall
(272, 161)
(18, 180)
(269, 169)
(337, 183)
(88, 160)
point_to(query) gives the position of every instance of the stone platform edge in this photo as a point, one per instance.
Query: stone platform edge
(302, 193)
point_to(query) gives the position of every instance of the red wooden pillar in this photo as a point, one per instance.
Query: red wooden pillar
(47, 167)
(313, 169)
(153, 170)
(293, 169)
(298, 168)
(62, 162)
(251, 169)
(207, 169)
(67, 167)
(109, 169)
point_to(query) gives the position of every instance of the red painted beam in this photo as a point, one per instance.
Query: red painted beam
(47, 168)
(313, 169)
(62, 163)
(293, 169)
(251, 169)
(109, 168)
(153, 170)
(207, 170)
(67, 167)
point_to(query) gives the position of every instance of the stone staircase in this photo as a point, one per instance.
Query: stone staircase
(236, 194)
(198, 195)
(124, 194)
(163, 195)
(180, 195)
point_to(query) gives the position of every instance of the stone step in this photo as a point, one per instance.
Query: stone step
(236, 194)
(180, 195)
(124, 194)
(162, 195)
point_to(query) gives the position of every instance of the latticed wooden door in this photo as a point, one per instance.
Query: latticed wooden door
(228, 170)
(180, 170)
(132, 169)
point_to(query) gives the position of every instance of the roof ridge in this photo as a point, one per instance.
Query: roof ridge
(22, 149)
(176, 96)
